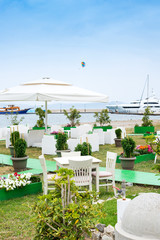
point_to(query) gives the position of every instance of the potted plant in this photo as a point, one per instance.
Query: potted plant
(13, 137)
(55, 133)
(20, 159)
(147, 125)
(19, 185)
(40, 122)
(118, 133)
(61, 144)
(85, 148)
(127, 159)
(102, 118)
(73, 116)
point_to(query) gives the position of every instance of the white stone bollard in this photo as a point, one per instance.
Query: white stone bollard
(121, 206)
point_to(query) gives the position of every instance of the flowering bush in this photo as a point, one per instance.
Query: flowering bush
(68, 125)
(144, 149)
(55, 132)
(15, 180)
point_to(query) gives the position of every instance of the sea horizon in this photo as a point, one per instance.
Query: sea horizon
(60, 118)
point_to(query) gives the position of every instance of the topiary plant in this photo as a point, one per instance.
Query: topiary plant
(128, 145)
(62, 141)
(14, 136)
(20, 148)
(85, 148)
(118, 133)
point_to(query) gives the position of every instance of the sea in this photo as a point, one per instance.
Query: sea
(30, 119)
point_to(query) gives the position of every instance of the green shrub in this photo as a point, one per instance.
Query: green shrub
(85, 148)
(20, 147)
(14, 136)
(65, 213)
(145, 119)
(118, 133)
(62, 141)
(128, 145)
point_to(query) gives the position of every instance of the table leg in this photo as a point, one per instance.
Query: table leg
(97, 178)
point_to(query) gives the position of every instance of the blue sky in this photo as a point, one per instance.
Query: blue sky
(119, 41)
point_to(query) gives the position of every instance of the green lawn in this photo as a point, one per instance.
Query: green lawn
(16, 214)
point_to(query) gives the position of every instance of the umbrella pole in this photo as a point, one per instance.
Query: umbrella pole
(45, 116)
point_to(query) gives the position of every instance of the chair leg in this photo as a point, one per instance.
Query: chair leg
(45, 191)
(94, 180)
(107, 187)
(45, 187)
(90, 187)
(113, 184)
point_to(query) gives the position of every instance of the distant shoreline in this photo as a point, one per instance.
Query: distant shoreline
(60, 111)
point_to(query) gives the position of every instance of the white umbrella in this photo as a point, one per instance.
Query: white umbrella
(47, 89)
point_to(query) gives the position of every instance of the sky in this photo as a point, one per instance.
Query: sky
(119, 40)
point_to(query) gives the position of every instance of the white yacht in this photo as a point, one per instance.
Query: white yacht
(137, 106)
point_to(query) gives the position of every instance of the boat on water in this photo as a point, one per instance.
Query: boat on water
(138, 106)
(11, 109)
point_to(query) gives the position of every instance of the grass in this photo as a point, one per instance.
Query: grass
(15, 218)
(16, 214)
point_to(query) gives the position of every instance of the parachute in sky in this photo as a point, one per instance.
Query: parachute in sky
(83, 64)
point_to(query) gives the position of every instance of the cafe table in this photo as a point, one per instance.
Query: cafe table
(63, 162)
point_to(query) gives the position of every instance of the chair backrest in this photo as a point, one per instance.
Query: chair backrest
(158, 134)
(46, 181)
(71, 154)
(44, 168)
(111, 162)
(82, 171)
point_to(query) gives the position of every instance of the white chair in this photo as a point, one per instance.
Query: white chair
(3, 132)
(76, 132)
(109, 174)
(155, 159)
(92, 139)
(34, 138)
(47, 178)
(71, 154)
(101, 135)
(82, 172)
(72, 143)
(158, 135)
(49, 145)
(57, 128)
(87, 127)
(110, 136)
